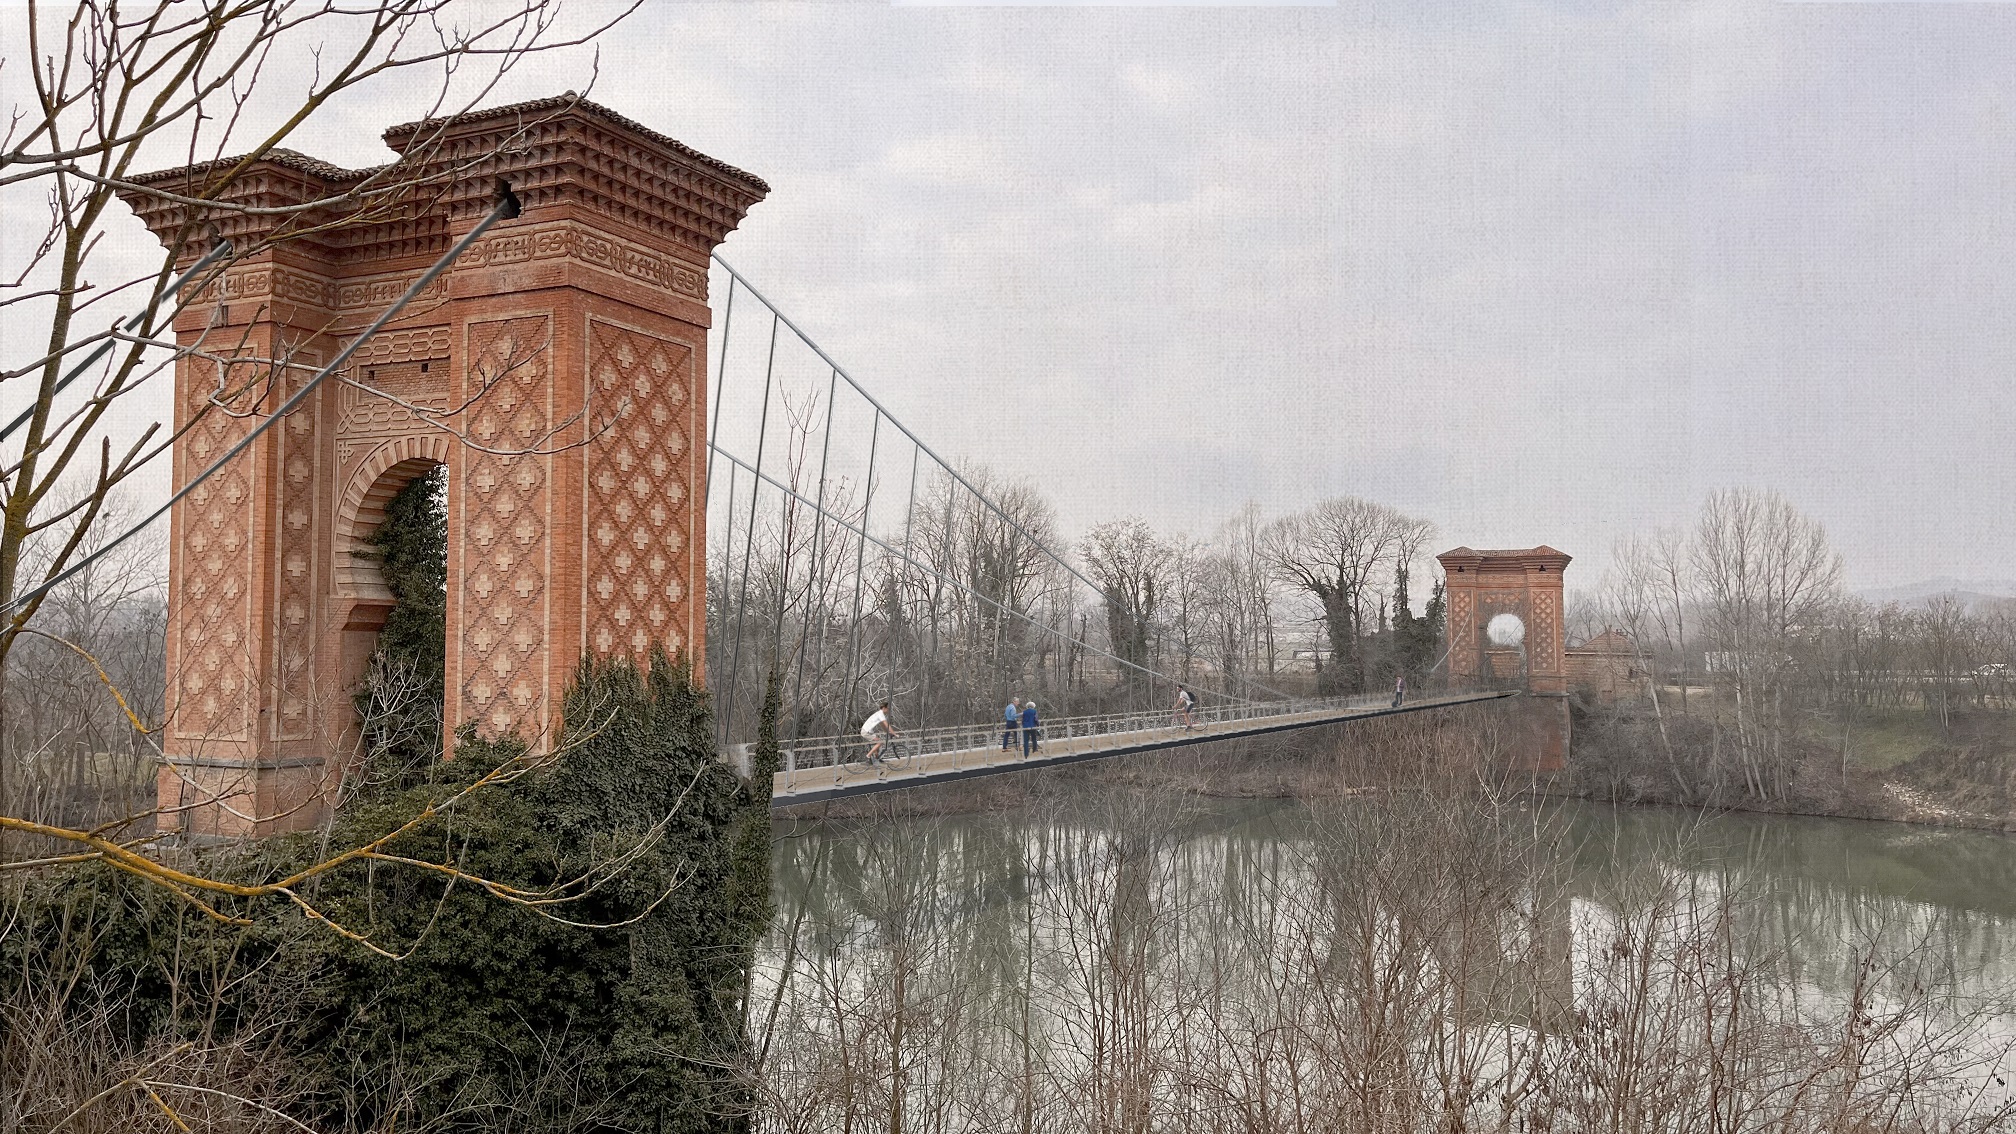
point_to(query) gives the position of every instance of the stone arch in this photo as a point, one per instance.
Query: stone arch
(386, 470)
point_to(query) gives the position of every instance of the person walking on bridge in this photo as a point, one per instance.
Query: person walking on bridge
(1028, 728)
(880, 729)
(1399, 689)
(1011, 719)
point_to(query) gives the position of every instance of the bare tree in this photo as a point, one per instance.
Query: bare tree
(1767, 574)
(84, 687)
(1340, 551)
(1946, 634)
(1239, 600)
(1134, 570)
(1649, 595)
(1185, 626)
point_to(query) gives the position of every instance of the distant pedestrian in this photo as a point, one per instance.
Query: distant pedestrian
(875, 728)
(1399, 690)
(1028, 728)
(1184, 703)
(1011, 719)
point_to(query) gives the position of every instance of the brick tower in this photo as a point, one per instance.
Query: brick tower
(1482, 585)
(557, 370)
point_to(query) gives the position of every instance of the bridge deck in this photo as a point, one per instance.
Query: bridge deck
(836, 780)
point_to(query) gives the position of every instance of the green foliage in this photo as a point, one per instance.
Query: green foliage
(1416, 641)
(1436, 618)
(749, 852)
(622, 1010)
(401, 704)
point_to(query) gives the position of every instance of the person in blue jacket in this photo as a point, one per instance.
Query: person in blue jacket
(1011, 716)
(1028, 728)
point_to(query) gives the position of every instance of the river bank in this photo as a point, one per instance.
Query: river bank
(1953, 771)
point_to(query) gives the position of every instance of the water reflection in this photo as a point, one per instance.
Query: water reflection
(1824, 891)
(1138, 960)
(1821, 885)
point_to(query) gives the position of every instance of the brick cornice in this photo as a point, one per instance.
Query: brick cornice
(560, 155)
(1540, 558)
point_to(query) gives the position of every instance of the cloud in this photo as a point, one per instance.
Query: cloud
(1541, 274)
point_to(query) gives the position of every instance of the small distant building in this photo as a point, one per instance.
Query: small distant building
(1605, 666)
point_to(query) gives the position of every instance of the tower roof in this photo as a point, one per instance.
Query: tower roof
(1504, 559)
(557, 154)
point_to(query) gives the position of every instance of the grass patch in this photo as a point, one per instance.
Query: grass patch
(1883, 741)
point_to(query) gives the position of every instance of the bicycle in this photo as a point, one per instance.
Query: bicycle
(892, 757)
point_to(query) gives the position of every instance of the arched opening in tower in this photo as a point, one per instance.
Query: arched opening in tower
(395, 642)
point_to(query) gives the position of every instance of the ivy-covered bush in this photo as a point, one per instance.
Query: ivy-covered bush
(620, 1010)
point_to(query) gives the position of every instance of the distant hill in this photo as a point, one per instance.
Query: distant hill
(1972, 594)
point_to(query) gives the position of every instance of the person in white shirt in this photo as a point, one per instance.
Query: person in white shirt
(874, 728)
(1184, 701)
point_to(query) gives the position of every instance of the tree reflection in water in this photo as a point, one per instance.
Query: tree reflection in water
(1135, 961)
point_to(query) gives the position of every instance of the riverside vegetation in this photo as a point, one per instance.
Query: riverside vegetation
(617, 1008)
(1759, 682)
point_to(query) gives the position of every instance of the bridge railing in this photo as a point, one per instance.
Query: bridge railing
(827, 751)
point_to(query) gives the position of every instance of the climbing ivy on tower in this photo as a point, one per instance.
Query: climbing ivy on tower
(404, 692)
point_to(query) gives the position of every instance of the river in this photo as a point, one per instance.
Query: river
(1180, 956)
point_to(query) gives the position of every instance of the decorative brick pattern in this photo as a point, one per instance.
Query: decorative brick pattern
(504, 526)
(1482, 584)
(293, 626)
(403, 346)
(269, 281)
(364, 419)
(381, 292)
(215, 695)
(1543, 632)
(573, 242)
(1462, 623)
(637, 496)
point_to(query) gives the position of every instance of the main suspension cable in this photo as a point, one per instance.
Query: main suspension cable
(839, 371)
(867, 538)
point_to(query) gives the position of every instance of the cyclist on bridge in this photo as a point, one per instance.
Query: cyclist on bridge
(874, 728)
(1184, 703)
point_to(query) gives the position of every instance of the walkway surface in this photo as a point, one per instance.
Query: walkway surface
(825, 768)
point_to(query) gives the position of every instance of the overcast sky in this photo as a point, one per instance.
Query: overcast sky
(1542, 273)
